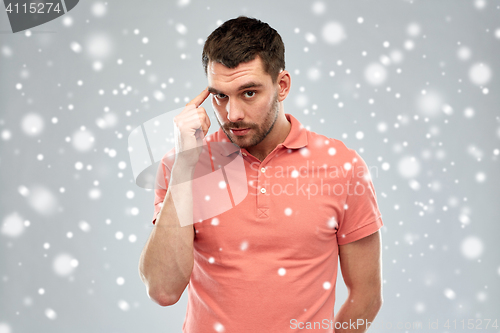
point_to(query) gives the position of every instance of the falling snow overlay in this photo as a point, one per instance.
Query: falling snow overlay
(412, 86)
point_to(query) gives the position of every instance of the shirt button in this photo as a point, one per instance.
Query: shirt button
(263, 190)
(244, 154)
(263, 169)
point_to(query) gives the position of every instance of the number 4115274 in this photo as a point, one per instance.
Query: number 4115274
(33, 8)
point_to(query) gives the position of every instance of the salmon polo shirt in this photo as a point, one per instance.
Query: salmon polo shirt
(269, 264)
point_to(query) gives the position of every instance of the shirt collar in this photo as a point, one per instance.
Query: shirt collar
(297, 138)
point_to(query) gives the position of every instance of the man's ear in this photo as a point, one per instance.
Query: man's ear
(284, 84)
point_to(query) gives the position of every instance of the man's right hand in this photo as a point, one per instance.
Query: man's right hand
(190, 127)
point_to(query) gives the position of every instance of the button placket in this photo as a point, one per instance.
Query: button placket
(263, 194)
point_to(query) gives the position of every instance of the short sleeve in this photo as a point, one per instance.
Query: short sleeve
(361, 216)
(161, 186)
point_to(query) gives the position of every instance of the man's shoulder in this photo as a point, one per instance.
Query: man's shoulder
(328, 145)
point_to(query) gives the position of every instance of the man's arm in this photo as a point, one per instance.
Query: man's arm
(361, 265)
(167, 259)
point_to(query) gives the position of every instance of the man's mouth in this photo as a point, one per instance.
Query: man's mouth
(239, 131)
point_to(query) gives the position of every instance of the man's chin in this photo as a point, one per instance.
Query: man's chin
(242, 142)
(239, 141)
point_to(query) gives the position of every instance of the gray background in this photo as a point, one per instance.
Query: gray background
(73, 223)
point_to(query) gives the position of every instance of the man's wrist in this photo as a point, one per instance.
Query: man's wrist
(181, 173)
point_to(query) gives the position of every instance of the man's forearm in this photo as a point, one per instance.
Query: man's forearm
(357, 314)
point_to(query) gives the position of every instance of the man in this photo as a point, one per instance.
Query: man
(269, 264)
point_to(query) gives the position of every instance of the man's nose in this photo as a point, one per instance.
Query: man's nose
(234, 111)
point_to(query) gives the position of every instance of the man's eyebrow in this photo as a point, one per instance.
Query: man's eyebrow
(242, 87)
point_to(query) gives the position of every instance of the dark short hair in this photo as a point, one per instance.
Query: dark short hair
(240, 40)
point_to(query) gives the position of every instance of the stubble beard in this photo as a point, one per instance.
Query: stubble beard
(260, 132)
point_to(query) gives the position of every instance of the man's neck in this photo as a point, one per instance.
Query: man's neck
(278, 135)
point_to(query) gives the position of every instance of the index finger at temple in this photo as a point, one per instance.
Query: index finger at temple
(198, 100)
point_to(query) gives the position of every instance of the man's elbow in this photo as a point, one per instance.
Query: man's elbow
(376, 303)
(370, 300)
(161, 296)
(164, 299)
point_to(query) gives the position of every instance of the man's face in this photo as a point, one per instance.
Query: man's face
(245, 101)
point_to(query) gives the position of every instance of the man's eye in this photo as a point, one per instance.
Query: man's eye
(220, 95)
(250, 93)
